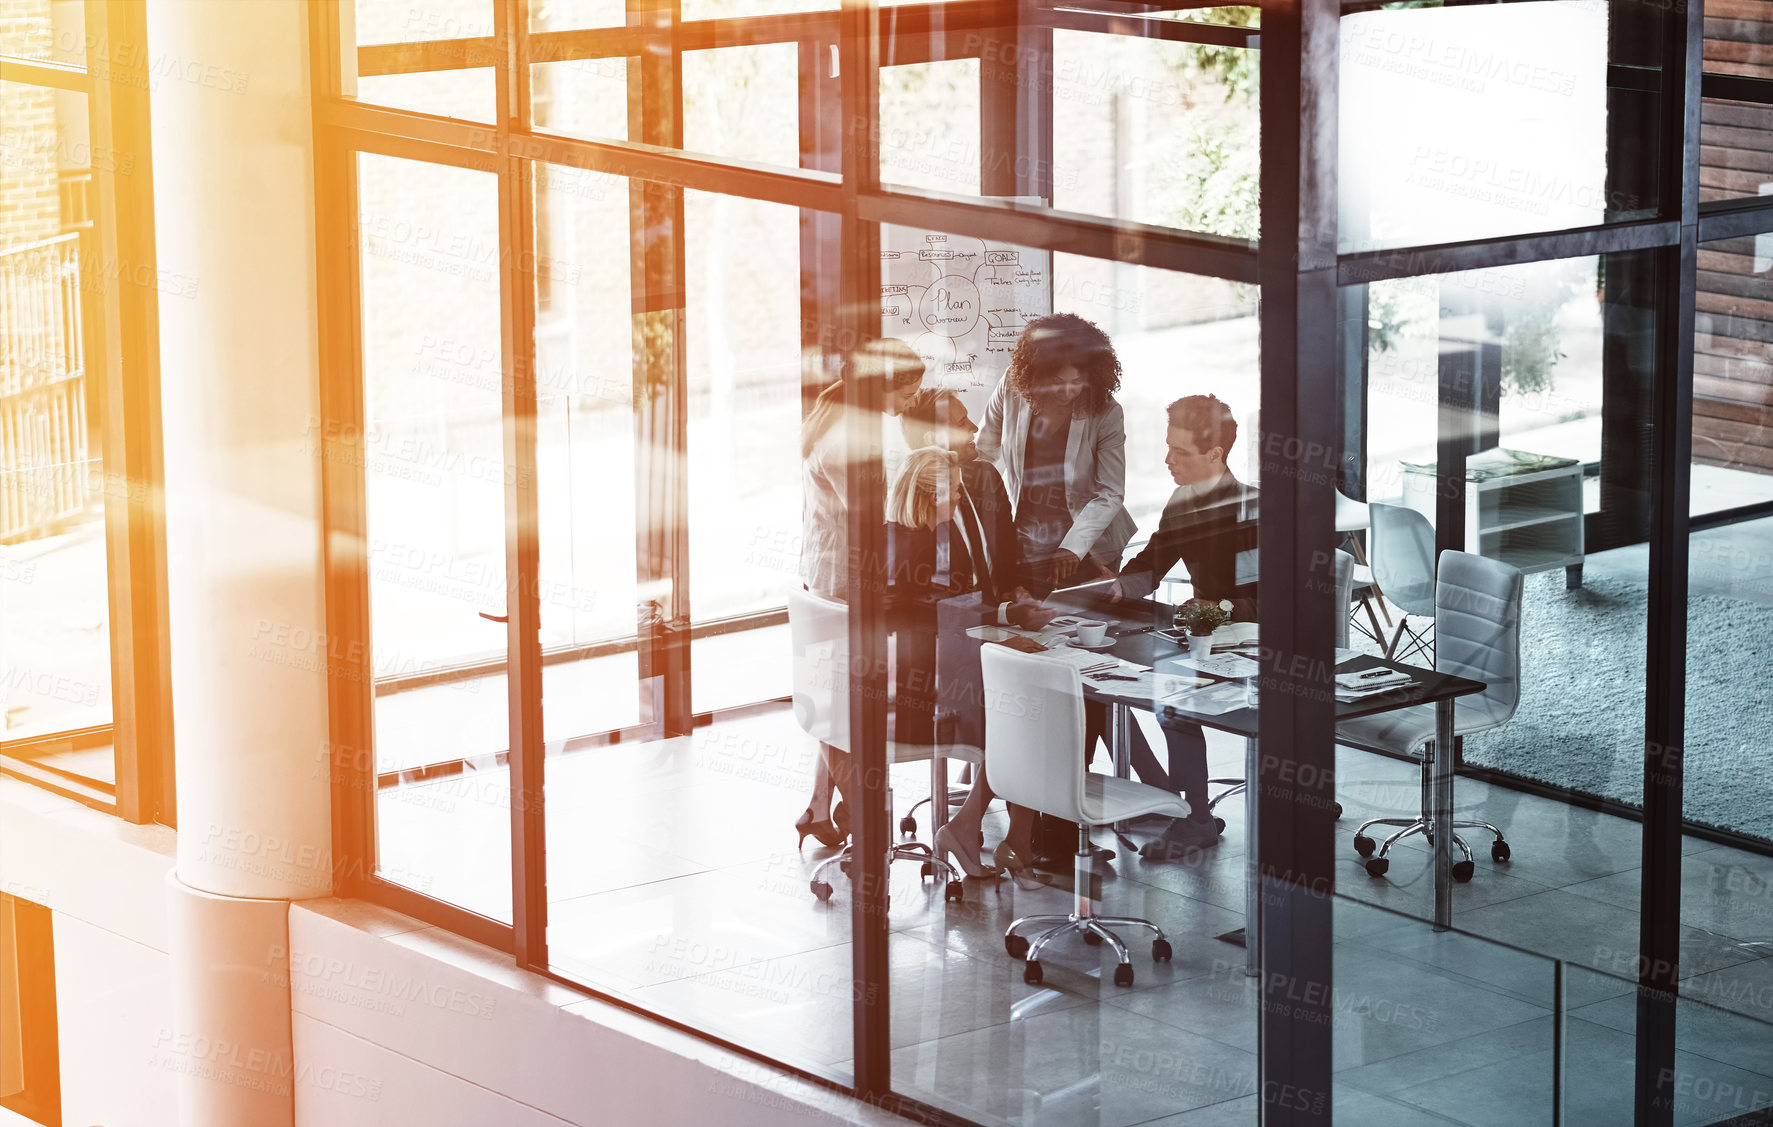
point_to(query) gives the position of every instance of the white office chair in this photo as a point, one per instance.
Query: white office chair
(1477, 605)
(819, 632)
(1344, 571)
(1352, 519)
(1403, 563)
(1034, 733)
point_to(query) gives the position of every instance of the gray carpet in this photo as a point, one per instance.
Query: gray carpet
(1581, 720)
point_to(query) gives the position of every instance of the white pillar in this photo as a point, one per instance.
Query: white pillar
(233, 181)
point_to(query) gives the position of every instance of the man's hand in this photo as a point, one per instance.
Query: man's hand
(1030, 615)
(1064, 566)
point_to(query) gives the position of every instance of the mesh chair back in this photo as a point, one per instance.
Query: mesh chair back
(819, 633)
(1344, 595)
(1034, 731)
(1477, 630)
(1403, 557)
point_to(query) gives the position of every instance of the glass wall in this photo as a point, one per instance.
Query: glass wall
(817, 572)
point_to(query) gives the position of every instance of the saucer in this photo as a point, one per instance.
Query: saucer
(1104, 644)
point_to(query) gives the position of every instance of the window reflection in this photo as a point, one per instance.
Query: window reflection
(1498, 119)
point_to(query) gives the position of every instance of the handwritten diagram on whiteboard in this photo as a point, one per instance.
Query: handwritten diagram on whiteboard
(960, 303)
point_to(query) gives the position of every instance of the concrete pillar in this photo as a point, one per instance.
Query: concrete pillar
(233, 182)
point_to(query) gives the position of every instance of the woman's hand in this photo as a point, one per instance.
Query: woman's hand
(1064, 566)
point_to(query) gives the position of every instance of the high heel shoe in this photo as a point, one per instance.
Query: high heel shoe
(1019, 868)
(831, 832)
(970, 864)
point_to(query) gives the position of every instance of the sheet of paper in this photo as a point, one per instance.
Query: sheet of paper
(1082, 660)
(1210, 701)
(1234, 666)
(1138, 683)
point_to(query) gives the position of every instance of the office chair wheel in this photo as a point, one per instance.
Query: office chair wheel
(1364, 845)
(954, 892)
(1016, 946)
(822, 891)
(1462, 871)
(1376, 866)
(1219, 823)
(1499, 851)
(1160, 950)
(1123, 974)
(1336, 807)
(908, 826)
(1031, 972)
(927, 869)
(1092, 939)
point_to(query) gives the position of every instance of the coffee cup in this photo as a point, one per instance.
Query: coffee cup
(1092, 633)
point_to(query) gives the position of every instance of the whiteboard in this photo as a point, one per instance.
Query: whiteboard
(960, 302)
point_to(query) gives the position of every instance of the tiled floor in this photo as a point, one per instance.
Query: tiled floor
(674, 880)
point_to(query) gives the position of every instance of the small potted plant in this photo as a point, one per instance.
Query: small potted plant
(1200, 617)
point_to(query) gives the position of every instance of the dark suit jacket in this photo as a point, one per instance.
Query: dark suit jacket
(1206, 534)
(938, 680)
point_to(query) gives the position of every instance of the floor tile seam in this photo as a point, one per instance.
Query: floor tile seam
(1396, 1095)
(1434, 1117)
(688, 978)
(1476, 983)
(1117, 1003)
(552, 904)
(1442, 1048)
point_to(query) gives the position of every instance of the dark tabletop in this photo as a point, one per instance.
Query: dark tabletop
(1133, 624)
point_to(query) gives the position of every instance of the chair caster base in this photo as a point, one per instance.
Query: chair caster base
(1364, 845)
(1220, 823)
(1499, 851)
(1160, 951)
(926, 870)
(1031, 973)
(822, 891)
(1123, 974)
(1377, 866)
(1463, 870)
(1336, 808)
(908, 826)
(954, 892)
(1016, 946)
(1092, 939)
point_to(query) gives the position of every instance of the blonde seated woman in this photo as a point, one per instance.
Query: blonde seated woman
(825, 562)
(949, 570)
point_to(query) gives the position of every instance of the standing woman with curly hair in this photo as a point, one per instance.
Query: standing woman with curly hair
(1054, 429)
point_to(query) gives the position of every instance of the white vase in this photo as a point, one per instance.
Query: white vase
(1200, 645)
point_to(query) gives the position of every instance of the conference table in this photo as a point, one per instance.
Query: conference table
(1134, 626)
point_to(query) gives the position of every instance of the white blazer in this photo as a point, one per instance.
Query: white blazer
(824, 514)
(1095, 471)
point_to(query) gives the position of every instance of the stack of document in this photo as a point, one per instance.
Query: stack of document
(1357, 686)
(1085, 661)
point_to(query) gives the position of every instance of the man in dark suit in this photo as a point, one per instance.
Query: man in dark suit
(1209, 525)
